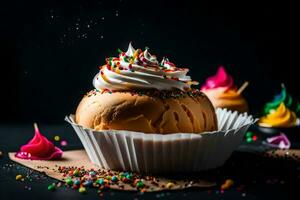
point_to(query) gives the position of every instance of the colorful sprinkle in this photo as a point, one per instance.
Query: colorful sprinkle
(129, 176)
(254, 138)
(63, 143)
(51, 187)
(249, 134)
(69, 181)
(19, 177)
(170, 185)
(250, 137)
(87, 183)
(120, 51)
(76, 182)
(75, 172)
(82, 190)
(227, 184)
(101, 181)
(92, 173)
(139, 184)
(56, 138)
(114, 179)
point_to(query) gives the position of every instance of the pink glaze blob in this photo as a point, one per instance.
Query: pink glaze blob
(221, 79)
(39, 148)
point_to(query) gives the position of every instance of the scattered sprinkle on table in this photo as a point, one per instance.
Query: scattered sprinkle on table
(82, 190)
(19, 177)
(227, 184)
(51, 187)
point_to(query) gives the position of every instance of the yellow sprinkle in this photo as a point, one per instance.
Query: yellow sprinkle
(19, 177)
(117, 70)
(136, 53)
(170, 185)
(56, 138)
(228, 183)
(82, 190)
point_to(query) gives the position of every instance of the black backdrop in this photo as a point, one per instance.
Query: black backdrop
(50, 51)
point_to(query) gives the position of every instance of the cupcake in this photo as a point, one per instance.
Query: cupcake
(136, 93)
(222, 92)
(281, 115)
(144, 116)
(283, 97)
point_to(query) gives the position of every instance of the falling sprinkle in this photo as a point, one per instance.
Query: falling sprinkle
(63, 143)
(56, 138)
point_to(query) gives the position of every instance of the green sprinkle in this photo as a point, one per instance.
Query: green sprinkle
(69, 181)
(125, 59)
(76, 172)
(101, 181)
(129, 176)
(120, 51)
(51, 187)
(114, 179)
(140, 184)
(249, 139)
(249, 134)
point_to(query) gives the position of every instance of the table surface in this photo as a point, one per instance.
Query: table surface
(255, 176)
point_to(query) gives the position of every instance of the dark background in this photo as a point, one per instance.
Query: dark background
(51, 50)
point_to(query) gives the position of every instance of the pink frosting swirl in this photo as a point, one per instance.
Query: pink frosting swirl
(221, 79)
(39, 148)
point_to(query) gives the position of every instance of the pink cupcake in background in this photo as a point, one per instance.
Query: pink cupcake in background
(223, 93)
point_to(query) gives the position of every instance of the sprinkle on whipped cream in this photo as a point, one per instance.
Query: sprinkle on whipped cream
(137, 69)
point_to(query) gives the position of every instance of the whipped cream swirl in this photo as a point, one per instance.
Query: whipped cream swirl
(137, 69)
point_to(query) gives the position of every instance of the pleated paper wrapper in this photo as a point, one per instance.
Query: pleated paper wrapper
(157, 153)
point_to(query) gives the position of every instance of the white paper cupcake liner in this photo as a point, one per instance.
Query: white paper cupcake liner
(157, 153)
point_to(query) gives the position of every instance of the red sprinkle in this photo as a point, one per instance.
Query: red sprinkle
(254, 138)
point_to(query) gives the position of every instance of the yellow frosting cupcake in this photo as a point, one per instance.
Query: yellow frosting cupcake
(282, 117)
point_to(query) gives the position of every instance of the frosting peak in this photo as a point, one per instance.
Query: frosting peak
(39, 148)
(137, 69)
(281, 117)
(221, 79)
(283, 97)
(130, 51)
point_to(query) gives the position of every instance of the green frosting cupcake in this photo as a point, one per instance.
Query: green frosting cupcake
(287, 99)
